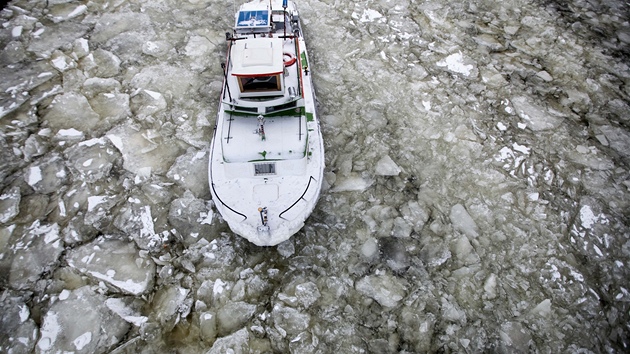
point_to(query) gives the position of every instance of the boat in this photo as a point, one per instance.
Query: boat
(266, 161)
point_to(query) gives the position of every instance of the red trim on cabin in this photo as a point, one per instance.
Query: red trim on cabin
(257, 75)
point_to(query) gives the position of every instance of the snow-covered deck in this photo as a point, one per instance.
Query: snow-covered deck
(285, 138)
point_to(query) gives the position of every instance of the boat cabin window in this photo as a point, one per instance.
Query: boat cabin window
(259, 83)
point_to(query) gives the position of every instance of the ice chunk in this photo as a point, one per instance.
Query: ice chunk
(73, 80)
(387, 290)
(489, 41)
(290, 320)
(490, 286)
(369, 248)
(146, 103)
(62, 62)
(112, 107)
(169, 303)
(353, 183)
(112, 24)
(100, 63)
(234, 315)
(193, 218)
(464, 251)
(193, 130)
(537, 117)
(618, 138)
(435, 254)
(208, 326)
(36, 252)
(458, 63)
(72, 110)
(236, 343)
(141, 149)
(159, 79)
(18, 329)
(402, 228)
(190, 171)
(99, 210)
(417, 328)
(66, 12)
(368, 15)
(587, 217)
(117, 263)
(68, 136)
(16, 31)
(13, 53)
(307, 294)
(56, 36)
(127, 309)
(394, 253)
(156, 48)
(81, 323)
(96, 85)
(18, 80)
(511, 30)
(515, 337)
(10, 204)
(80, 48)
(135, 218)
(543, 308)
(451, 310)
(462, 221)
(199, 48)
(544, 75)
(387, 167)
(92, 161)
(416, 214)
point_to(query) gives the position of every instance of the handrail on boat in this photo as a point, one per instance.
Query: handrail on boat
(300, 198)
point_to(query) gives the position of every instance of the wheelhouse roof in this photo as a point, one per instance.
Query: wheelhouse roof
(257, 57)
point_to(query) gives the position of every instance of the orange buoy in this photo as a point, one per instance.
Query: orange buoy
(289, 59)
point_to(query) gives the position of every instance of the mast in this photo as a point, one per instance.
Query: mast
(284, 16)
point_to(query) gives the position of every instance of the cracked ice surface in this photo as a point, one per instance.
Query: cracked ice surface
(476, 195)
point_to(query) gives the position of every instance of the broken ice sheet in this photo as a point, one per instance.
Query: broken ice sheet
(459, 64)
(387, 290)
(35, 252)
(193, 218)
(55, 36)
(80, 322)
(10, 204)
(141, 149)
(73, 111)
(19, 329)
(92, 160)
(463, 222)
(127, 309)
(387, 167)
(115, 262)
(537, 117)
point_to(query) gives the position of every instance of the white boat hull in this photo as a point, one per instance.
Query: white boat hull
(267, 155)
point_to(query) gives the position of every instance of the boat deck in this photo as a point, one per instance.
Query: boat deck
(285, 138)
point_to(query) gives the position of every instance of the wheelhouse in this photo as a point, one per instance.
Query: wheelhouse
(258, 67)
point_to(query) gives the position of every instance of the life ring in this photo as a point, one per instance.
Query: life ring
(288, 58)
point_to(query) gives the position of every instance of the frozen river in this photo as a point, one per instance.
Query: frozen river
(477, 188)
